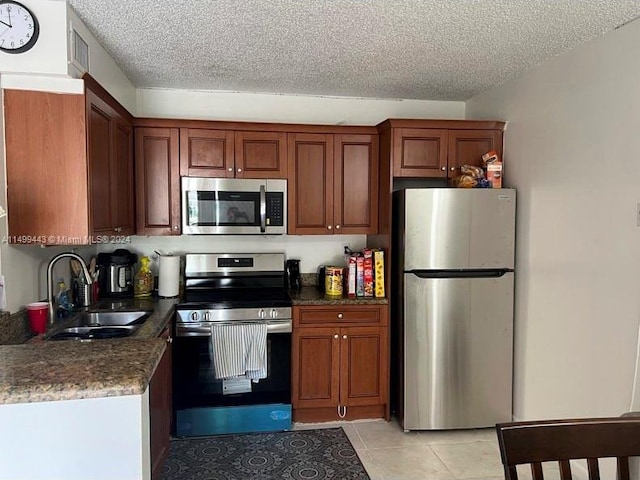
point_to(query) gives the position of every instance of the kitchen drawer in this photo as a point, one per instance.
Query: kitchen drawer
(340, 315)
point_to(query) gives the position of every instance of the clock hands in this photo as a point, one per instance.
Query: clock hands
(9, 18)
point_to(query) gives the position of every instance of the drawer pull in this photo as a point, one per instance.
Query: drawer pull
(336, 336)
(344, 337)
(339, 315)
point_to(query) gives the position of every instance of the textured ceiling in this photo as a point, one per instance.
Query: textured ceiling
(411, 49)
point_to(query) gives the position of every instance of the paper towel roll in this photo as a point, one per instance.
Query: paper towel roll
(169, 276)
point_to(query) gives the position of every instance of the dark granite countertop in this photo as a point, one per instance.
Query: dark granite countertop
(310, 295)
(40, 371)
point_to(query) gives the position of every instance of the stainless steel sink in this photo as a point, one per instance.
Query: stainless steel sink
(111, 319)
(94, 332)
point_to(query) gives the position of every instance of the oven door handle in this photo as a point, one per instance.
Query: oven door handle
(263, 209)
(200, 329)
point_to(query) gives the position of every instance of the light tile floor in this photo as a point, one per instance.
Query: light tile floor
(388, 453)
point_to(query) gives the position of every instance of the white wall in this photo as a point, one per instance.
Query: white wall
(254, 107)
(571, 150)
(101, 66)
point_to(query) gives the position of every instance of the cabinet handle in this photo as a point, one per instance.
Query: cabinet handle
(328, 227)
(230, 169)
(344, 337)
(453, 169)
(336, 336)
(169, 339)
(337, 227)
(443, 168)
(117, 229)
(175, 227)
(239, 170)
(339, 315)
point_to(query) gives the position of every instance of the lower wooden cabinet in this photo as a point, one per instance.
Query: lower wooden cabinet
(160, 409)
(340, 364)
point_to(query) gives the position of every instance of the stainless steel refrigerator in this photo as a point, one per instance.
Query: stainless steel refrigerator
(453, 302)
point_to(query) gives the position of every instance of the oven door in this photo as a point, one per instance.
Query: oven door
(204, 405)
(233, 206)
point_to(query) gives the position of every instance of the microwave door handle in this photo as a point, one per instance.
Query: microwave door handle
(263, 209)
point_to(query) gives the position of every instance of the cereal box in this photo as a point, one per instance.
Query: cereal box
(378, 273)
(360, 276)
(368, 272)
(351, 276)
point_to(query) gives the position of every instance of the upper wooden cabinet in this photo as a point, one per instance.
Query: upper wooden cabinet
(227, 153)
(158, 181)
(110, 154)
(333, 183)
(69, 166)
(437, 149)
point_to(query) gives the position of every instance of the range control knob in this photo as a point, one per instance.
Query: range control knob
(274, 313)
(194, 316)
(206, 316)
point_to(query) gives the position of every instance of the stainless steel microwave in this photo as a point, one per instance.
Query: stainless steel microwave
(233, 206)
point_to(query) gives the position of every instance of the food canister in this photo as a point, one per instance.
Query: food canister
(333, 281)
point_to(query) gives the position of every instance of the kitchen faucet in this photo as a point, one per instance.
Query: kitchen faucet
(50, 293)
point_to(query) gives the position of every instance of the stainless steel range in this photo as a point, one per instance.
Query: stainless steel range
(246, 291)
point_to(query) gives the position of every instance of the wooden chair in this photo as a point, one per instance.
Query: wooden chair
(563, 440)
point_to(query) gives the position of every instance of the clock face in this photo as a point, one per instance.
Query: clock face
(18, 27)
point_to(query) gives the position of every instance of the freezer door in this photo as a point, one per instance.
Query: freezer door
(458, 228)
(458, 352)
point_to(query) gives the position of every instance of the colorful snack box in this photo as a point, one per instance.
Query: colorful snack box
(360, 276)
(378, 272)
(351, 276)
(368, 272)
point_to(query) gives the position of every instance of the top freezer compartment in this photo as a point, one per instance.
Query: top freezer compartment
(456, 228)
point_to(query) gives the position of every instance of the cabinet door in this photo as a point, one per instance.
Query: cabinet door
(260, 155)
(206, 153)
(355, 180)
(315, 369)
(466, 147)
(158, 181)
(310, 184)
(122, 178)
(363, 366)
(100, 147)
(419, 152)
(160, 413)
(46, 161)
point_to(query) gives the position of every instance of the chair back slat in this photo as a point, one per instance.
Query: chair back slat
(565, 470)
(536, 471)
(560, 441)
(623, 468)
(510, 473)
(593, 469)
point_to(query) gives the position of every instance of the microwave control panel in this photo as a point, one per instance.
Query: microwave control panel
(275, 208)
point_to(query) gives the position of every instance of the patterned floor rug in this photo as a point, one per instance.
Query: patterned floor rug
(303, 454)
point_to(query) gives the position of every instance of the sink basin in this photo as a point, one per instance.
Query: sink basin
(94, 333)
(111, 319)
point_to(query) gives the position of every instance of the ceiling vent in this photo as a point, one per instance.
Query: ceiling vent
(79, 52)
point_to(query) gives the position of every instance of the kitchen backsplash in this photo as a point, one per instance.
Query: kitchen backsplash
(14, 328)
(312, 250)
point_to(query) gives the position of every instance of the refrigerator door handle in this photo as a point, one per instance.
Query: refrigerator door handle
(449, 273)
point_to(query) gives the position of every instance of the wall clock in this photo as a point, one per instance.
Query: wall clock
(19, 27)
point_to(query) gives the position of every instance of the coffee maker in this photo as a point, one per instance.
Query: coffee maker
(293, 274)
(115, 273)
